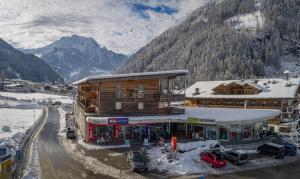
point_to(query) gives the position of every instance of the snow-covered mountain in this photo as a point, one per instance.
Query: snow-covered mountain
(16, 64)
(230, 39)
(76, 57)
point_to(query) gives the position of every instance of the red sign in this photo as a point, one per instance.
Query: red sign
(174, 143)
(91, 132)
(117, 129)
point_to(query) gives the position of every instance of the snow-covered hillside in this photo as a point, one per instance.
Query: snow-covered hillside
(250, 21)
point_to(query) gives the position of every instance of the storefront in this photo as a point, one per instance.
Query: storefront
(198, 123)
(118, 130)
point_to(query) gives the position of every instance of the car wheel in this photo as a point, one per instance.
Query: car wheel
(274, 156)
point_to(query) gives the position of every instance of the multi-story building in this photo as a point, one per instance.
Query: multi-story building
(104, 104)
(281, 94)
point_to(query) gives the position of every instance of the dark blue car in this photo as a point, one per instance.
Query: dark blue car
(290, 149)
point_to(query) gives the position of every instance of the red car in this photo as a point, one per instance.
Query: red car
(214, 159)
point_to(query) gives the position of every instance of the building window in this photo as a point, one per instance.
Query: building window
(141, 91)
(163, 105)
(164, 86)
(140, 105)
(118, 105)
(118, 91)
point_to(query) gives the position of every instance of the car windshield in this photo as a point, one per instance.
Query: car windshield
(219, 156)
(243, 157)
(138, 157)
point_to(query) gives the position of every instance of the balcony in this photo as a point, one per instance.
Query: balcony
(88, 95)
(87, 109)
(171, 97)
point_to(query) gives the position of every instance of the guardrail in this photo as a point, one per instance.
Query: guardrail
(22, 146)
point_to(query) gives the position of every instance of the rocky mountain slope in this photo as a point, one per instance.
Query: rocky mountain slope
(16, 64)
(230, 39)
(76, 57)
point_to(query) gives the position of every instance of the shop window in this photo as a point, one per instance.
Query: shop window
(211, 133)
(118, 105)
(140, 105)
(141, 91)
(223, 133)
(104, 134)
(118, 91)
(247, 133)
(133, 132)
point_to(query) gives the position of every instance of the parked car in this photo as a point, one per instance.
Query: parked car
(215, 159)
(237, 157)
(71, 133)
(290, 149)
(137, 161)
(272, 149)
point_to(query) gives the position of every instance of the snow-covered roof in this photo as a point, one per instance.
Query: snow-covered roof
(132, 75)
(269, 88)
(218, 115)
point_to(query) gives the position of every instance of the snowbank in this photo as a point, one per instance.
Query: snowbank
(99, 147)
(187, 161)
(32, 170)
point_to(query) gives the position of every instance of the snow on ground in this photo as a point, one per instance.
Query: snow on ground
(247, 21)
(62, 120)
(18, 120)
(38, 96)
(186, 163)
(32, 170)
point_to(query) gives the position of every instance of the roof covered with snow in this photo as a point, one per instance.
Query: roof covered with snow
(269, 88)
(134, 75)
(218, 115)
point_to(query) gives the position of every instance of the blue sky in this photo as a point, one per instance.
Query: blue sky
(142, 9)
(123, 26)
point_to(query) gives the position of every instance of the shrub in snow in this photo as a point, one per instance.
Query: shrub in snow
(6, 128)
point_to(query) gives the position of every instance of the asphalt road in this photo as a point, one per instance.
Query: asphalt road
(287, 171)
(54, 161)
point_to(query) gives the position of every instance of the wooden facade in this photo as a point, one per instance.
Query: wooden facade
(129, 96)
(235, 88)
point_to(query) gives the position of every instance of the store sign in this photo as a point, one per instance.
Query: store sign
(193, 120)
(118, 121)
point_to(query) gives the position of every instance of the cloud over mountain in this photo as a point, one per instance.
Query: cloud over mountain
(120, 25)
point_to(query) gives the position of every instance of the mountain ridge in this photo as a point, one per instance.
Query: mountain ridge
(16, 64)
(76, 57)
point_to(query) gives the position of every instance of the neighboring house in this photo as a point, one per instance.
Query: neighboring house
(18, 88)
(278, 94)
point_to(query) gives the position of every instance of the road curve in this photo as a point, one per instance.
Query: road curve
(54, 161)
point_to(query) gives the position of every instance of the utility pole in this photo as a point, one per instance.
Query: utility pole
(33, 116)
